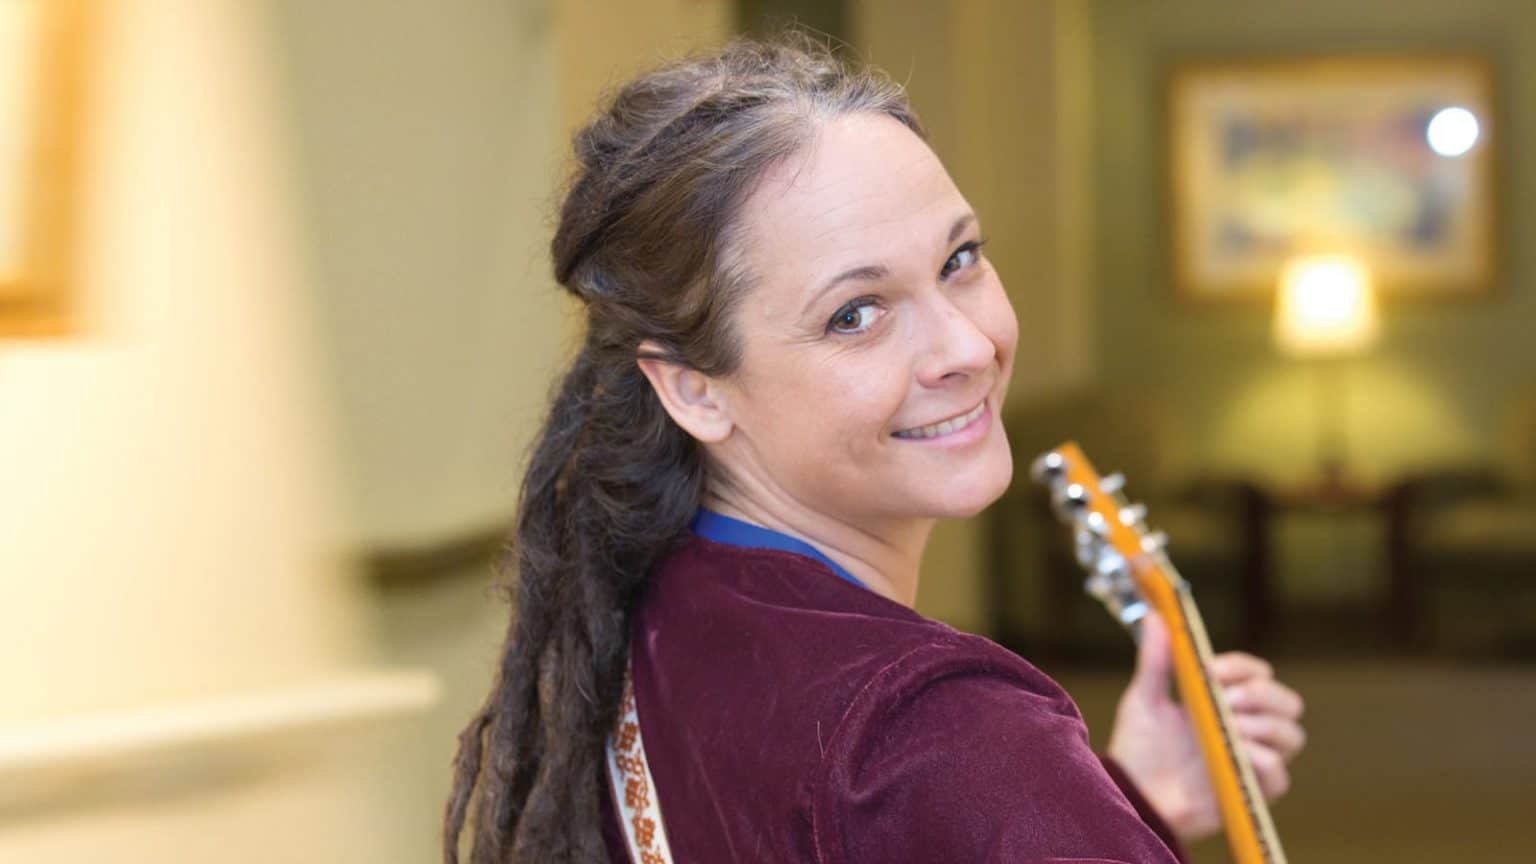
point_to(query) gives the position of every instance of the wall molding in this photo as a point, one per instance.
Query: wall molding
(153, 744)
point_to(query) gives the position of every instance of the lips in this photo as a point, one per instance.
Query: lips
(946, 426)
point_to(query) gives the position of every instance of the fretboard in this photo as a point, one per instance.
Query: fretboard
(1250, 830)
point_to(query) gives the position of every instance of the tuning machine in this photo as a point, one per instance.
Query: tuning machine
(1109, 581)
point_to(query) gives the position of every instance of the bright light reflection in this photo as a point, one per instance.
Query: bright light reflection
(1452, 131)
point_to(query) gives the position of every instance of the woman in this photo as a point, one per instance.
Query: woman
(795, 362)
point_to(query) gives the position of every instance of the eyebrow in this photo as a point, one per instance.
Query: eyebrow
(873, 272)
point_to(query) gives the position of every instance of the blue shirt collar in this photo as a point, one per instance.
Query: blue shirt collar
(734, 532)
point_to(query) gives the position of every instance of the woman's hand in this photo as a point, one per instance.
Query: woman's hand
(1154, 741)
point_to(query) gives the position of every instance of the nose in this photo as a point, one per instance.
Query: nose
(955, 348)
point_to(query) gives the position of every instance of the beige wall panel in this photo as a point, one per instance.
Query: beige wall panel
(171, 522)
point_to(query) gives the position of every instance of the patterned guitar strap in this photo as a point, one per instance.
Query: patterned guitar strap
(634, 792)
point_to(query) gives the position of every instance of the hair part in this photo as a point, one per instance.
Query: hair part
(650, 238)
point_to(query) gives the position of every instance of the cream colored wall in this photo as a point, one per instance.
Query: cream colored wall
(1000, 87)
(431, 141)
(603, 43)
(169, 521)
(421, 136)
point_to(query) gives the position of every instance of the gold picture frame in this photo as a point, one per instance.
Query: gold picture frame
(43, 53)
(1272, 159)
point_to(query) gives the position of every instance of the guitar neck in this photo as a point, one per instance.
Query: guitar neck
(1130, 573)
(1250, 830)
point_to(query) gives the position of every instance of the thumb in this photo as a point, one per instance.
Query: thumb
(1154, 659)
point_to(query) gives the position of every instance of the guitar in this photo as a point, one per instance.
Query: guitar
(1129, 571)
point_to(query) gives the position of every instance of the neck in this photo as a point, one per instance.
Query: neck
(884, 556)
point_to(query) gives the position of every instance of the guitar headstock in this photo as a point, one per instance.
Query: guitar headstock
(1127, 568)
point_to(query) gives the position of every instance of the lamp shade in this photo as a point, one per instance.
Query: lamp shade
(1325, 306)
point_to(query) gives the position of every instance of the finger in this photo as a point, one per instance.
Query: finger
(1233, 667)
(1265, 697)
(1285, 737)
(1269, 769)
(1154, 661)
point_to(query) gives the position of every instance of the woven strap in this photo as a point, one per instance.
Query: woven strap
(634, 792)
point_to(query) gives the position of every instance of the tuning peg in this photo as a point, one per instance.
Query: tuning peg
(1156, 541)
(1133, 515)
(1087, 548)
(1132, 613)
(1075, 495)
(1048, 467)
(1112, 483)
(1097, 523)
(1086, 555)
(1099, 586)
(1111, 563)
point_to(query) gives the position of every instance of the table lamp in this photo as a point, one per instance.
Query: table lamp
(1326, 309)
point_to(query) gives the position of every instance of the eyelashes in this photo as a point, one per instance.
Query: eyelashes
(973, 247)
(858, 315)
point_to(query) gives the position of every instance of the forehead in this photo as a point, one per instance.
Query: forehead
(866, 190)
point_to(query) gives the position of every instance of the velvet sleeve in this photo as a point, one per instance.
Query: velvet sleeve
(949, 754)
(1143, 807)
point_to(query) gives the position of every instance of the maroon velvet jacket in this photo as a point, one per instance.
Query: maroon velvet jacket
(791, 716)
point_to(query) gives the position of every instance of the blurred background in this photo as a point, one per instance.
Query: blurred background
(276, 324)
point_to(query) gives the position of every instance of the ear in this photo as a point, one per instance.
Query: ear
(692, 398)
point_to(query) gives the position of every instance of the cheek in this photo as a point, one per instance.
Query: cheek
(851, 398)
(842, 403)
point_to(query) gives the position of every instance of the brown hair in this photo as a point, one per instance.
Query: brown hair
(649, 239)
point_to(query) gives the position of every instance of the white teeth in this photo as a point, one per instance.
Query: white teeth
(944, 427)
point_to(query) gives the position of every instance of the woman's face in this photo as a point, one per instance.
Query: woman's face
(877, 341)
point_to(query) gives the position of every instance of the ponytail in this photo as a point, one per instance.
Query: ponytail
(612, 483)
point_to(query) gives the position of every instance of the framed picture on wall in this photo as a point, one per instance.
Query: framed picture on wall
(1388, 159)
(42, 56)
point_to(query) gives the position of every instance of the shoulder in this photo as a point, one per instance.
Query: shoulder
(785, 607)
(738, 589)
(733, 619)
(767, 616)
(745, 663)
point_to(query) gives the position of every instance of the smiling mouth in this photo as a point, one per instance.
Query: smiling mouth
(944, 427)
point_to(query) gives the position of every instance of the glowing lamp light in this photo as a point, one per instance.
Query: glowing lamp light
(1452, 131)
(1325, 306)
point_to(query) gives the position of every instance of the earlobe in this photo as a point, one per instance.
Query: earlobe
(689, 396)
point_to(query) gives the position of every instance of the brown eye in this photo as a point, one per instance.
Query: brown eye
(856, 317)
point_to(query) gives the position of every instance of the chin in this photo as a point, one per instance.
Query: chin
(972, 492)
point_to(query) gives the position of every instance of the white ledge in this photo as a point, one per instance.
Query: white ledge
(113, 742)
